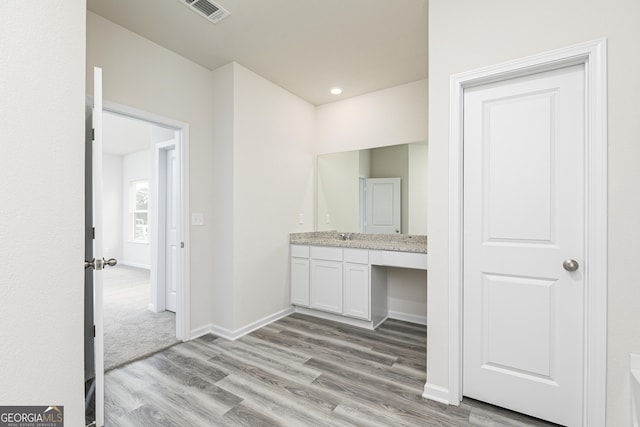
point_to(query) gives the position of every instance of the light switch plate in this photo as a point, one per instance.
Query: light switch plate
(197, 219)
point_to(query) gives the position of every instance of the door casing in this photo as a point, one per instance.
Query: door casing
(183, 313)
(159, 255)
(593, 55)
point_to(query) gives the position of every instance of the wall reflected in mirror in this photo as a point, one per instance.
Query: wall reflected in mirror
(342, 180)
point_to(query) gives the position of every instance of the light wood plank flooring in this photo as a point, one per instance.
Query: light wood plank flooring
(299, 371)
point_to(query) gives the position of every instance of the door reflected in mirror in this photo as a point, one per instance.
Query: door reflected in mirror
(349, 187)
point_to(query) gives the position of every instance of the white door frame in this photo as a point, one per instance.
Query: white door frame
(159, 225)
(593, 55)
(183, 312)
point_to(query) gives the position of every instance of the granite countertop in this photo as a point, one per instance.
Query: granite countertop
(386, 242)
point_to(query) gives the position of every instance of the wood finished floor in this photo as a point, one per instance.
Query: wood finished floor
(299, 371)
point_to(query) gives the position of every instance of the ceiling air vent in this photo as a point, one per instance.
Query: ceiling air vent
(208, 9)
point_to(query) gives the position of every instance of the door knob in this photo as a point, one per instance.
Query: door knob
(570, 264)
(99, 264)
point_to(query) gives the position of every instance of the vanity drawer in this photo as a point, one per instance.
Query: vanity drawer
(300, 251)
(326, 253)
(358, 256)
(404, 259)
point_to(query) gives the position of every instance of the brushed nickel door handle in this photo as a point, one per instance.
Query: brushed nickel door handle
(570, 264)
(99, 264)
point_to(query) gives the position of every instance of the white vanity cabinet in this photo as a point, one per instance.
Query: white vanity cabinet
(300, 275)
(356, 289)
(326, 279)
(345, 284)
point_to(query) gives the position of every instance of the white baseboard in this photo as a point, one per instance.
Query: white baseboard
(411, 318)
(336, 317)
(437, 393)
(221, 332)
(198, 332)
(234, 335)
(262, 322)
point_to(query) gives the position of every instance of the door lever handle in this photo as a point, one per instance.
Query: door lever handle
(99, 264)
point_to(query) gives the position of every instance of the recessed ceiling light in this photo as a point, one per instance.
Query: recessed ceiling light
(336, 90)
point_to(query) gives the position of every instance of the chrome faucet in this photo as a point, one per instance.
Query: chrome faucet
(345, 236)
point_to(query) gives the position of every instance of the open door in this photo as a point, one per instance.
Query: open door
(89, 353)
(171, 229)
(95, 261)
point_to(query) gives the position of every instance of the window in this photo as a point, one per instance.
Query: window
(139, 208)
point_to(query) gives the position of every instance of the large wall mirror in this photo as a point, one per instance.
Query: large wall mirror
(351, 184)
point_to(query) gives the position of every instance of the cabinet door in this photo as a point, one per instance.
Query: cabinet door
(300, 281)
(326, 285)
(356, 290)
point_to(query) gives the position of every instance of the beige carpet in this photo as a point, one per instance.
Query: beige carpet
(131, 331)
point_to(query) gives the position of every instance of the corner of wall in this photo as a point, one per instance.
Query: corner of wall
(437, 393)
(222, 187)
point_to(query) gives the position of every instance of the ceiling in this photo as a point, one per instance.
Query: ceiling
(304, 46)
(122, 135)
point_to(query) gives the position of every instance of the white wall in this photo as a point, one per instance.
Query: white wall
(41, 204)
(387, 117)
(222, 185)
(143, 75)
(417, 188)
(135, 167)
(465, 35)
(407, 294)
(263, 179)
(112, 188)
(273, 183)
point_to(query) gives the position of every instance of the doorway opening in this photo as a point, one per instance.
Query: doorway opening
(144, 165)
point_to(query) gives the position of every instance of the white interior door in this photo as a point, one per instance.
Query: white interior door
(523, 217)
(171, 232)
(383, 207)
(98, 251)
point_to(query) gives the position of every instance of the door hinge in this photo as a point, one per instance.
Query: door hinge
(93, 233)
(93, 134)
(94, 331)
